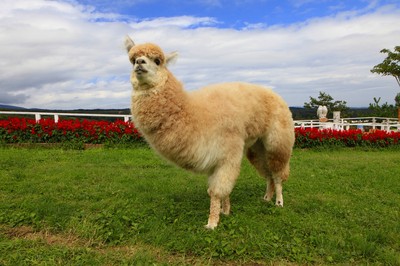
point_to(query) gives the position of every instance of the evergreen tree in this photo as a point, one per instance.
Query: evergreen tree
(327, 100)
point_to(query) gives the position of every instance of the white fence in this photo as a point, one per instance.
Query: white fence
(382, 123)
(56, 116)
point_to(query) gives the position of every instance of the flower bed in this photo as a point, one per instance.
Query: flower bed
(24, 130)
(313, 137)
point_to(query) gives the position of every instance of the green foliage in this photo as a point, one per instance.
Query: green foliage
(325, 99)
(390, 65)
(397, 100)
(382, 110)
(128, 207)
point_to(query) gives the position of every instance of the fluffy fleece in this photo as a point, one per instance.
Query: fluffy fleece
(209, 130)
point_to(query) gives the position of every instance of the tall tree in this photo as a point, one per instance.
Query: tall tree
(327, 100)
(390, 65)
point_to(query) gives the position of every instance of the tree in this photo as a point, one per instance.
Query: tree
(327, 100)
(390, 65)
(384, 110)
(397, 100)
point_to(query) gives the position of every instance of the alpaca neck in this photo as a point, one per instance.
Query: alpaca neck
(175, 89)
(174, 98)
(160, 107)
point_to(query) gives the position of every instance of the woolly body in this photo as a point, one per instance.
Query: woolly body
(209, 130)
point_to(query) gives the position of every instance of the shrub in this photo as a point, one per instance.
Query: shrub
(313, 137)
(23, 130)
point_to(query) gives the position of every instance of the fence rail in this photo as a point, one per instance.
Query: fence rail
(382, 123)
(38, 115)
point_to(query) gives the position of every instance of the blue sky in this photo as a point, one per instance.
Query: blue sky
(69, 54)
(237, 14)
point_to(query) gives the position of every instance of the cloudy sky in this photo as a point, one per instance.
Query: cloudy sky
(69, 54)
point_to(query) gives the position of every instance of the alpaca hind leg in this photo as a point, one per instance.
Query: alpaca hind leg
(278, 177)
(256, 154)
(269, 193)
(277, 181)
(277, 160)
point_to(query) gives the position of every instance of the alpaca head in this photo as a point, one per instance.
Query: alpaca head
(149, 63)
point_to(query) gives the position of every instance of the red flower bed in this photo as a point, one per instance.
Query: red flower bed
(23, 130)
(313, 137)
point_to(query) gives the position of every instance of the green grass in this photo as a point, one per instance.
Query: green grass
(129, 207)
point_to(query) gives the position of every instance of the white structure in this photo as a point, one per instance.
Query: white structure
(336, 116)
(322, 111)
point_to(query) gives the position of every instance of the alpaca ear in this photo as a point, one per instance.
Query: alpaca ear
(171, 57)
(128, 43)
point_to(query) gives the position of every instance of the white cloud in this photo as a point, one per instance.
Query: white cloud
(332, 54)
(63, 55)
(48, 44)
(180, 22)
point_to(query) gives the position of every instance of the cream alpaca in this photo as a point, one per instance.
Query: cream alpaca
(209, 130)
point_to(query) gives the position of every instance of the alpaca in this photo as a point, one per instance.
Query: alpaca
(209, 130)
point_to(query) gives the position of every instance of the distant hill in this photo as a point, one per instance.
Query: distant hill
(10, 107)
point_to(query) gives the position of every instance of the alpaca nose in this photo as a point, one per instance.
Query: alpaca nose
(140, 61)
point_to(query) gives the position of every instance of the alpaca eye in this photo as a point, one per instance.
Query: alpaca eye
(133, 61)
(157, 61)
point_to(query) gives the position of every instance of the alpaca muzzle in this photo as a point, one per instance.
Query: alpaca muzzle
(140, 70)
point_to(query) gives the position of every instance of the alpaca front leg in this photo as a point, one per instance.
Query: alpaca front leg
(220, 185)
(226, 206)
(215, 209)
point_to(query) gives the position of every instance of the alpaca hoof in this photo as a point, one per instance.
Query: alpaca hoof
(225, 213)
(210, 226)
(279, 203)
(267, 199)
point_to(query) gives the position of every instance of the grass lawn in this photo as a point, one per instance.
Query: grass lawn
(129, 207)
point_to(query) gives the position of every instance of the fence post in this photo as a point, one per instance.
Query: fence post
(126, 118)
(387, 125)
(37, 117)
(56, 118)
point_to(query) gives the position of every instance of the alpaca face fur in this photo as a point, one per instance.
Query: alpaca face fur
(209, 130)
